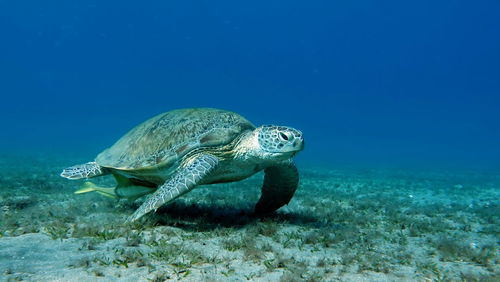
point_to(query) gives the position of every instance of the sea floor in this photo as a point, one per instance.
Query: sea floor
(342, 225)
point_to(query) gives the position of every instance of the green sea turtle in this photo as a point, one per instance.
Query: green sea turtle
(171, 153)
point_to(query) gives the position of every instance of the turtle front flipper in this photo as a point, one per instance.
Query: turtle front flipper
(182, 182)
(280, 183)
(87, 170)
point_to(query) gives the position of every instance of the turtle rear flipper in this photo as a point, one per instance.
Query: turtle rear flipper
(280, 183)
(87, 170)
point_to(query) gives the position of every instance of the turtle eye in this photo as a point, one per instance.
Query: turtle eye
(283, 136)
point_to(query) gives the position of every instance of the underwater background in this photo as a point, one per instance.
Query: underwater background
(399, 103)
(369, 82)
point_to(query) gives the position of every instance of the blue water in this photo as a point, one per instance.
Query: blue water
(372, 83)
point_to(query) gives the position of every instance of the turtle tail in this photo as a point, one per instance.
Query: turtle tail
(86, 170)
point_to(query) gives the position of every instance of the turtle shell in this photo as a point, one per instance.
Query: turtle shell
(167, 137)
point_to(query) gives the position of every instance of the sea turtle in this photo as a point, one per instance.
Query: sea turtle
(171, 153)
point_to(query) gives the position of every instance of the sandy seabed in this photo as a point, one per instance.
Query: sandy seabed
(342, 225)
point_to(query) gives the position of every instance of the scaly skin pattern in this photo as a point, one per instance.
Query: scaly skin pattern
(184, 181)
(87, 170)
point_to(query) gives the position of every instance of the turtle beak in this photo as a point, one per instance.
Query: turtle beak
(298, 144)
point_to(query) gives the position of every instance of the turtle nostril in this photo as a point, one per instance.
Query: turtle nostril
(299, 143)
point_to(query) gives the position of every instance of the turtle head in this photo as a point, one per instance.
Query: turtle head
(279, 142)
